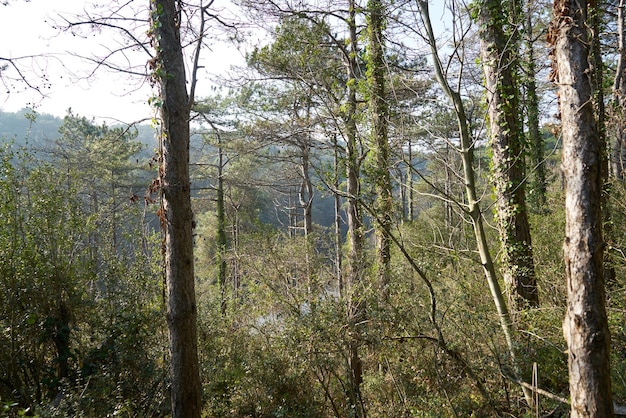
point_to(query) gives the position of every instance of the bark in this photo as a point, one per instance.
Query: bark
(506, 139)
(379, 111)
(305, 193)
(176, 214)
(585, 326)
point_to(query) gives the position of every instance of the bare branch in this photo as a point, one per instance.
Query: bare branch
(20, 65)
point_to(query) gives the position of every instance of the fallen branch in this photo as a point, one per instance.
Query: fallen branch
(618, 409)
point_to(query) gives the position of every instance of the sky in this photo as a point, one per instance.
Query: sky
(26, 29)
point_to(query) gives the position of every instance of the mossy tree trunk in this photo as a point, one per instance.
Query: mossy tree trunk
(497, 42)
(379, 148)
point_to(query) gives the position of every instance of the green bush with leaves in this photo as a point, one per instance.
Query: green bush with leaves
(81, 311)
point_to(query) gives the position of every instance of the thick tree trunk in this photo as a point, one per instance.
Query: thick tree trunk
(380, 146)
(585, 325)
(176, 214)
(506, 138)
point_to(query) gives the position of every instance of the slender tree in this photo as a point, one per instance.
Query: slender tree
(618, 157)
(176, 214)
(221, 240)
(356, 259)
(585, 326)
(473, 209)
(538, 183)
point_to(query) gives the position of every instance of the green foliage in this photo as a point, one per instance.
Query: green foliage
(280, 335)
(78, 311)
(300, 50)
(616, 288)
(82, 321)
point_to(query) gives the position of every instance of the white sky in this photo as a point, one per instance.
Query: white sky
(26, 29)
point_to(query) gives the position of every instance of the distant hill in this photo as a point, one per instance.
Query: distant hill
(40, 132)
(19, 128)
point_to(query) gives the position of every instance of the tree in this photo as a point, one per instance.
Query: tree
(42, 253)
(175, 213)
(618, 156)
(497, 42)
(356, 250)
(538, 184)
(103, 164)
(379, 167)
(585, 326)
(303, 64)
(338, 94)
(472, 208)
(77, 329)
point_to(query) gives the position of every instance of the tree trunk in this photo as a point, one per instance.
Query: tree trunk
(379, 111)
(585, 325)
(618, 155)
(447, 204)
(409, 183)
(305, 193)
(506, 138)
(538, 186)
(176, 214)
(221, 227)
(337, 198)
(356, 261)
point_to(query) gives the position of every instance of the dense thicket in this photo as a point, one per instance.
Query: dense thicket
(79, 281)
(347, 255)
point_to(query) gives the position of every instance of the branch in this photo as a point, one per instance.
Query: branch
(196, 54)
(102, 23)
(12, 63)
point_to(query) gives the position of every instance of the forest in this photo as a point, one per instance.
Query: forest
(391, 209)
